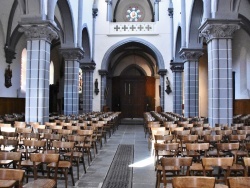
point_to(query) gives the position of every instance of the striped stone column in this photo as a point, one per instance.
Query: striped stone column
(218, 34)
(191, 80)
(87, 78)
(39, 37)
(162, 73)
(103, 74)
(72, 57)
(177, 69)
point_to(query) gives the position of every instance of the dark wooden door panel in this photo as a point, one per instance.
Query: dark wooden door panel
(130, 96)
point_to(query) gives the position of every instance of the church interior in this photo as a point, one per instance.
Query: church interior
(125, 93)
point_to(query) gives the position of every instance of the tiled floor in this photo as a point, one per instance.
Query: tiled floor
(143, 170)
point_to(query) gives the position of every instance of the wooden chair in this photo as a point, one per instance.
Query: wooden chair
(222, 163)
(174, 166)
(11, 178)
(39, 180)
(10, 158)
(88, 145)
(8, 145)
(162, 138)
(241, 152)
(5, 125)
(78, 153)
(246, 163)
(239, 182)
(49, 138)
(165, 150)
(185, 139)
(213, 140)
(197, 151)
(201, 134)
(193, 182)
(35, 127)
(31, 146)
(62, 147)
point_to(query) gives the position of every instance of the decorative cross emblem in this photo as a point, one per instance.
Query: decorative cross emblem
(140, 27)
(124, 27)
(116, 27)
(148, 27)
(132, 27)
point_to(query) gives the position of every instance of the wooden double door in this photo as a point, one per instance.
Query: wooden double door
(133, 95)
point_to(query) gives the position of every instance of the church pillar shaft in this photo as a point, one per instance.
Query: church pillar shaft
(39, 38)
(88, 90)
(191, 81)
(219, 37)
(71, 79)
(103, 74)
(177, 69)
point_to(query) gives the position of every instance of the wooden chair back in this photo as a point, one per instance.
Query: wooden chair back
(225, 162)
(239, 182)
(5, 125)
(14, 177)
(193, 182)
(160, 138)
(246, 163)
(8, 145)
(46, 159)
(172, 166)
(14, 156)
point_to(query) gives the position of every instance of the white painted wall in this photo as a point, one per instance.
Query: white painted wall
(241, 64)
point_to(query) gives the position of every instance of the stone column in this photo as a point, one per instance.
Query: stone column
(162, 73)
(156, 15)
(87, 90)
(39, 37)
(71, 79)
(103, 74)
(177, 69)
(109, 10)
(191, 80)
(218, 34)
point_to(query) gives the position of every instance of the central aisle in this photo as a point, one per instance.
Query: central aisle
(143, 167)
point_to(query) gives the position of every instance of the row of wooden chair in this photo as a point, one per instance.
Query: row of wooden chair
(219, 167)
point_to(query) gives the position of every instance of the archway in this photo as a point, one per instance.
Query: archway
(132, 66)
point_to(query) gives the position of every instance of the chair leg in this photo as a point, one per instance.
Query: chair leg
(66, 177)
(72, 177)
(83, 163)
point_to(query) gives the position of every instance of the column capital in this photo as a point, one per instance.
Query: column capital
(72, 53)
(86, 67)
(218, 28)
(41, 30)
(191, 54)
(103, 72)
(162, 72)
(177, 67)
